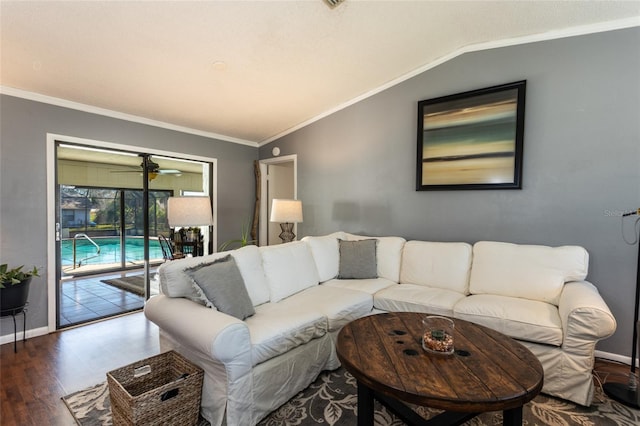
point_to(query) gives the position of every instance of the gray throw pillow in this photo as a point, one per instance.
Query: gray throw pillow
(221, 286)
(358, 259)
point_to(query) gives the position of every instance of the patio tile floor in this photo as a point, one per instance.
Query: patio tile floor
(86, 299)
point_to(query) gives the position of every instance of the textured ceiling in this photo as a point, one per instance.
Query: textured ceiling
(252, 70)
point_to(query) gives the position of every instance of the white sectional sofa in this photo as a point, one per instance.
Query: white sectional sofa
(279, 333)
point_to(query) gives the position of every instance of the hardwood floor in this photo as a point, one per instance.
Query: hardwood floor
(49, 367)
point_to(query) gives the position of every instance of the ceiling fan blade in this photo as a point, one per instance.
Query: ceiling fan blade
(158, 171)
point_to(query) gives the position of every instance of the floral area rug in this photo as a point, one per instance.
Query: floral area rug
(331, 400)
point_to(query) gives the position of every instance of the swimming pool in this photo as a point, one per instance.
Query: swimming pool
(110, 251)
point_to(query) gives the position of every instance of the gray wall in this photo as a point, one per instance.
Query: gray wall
(356, 168)
(23, 185)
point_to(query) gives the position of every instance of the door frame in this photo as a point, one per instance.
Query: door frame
(264, 207)
(51, 163)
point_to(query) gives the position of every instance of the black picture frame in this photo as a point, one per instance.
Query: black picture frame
(472, 140)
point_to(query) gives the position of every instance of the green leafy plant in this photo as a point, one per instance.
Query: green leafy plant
(15, 275)
(242, 241)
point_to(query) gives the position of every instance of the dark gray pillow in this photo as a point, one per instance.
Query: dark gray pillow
(358, 259)
(222, 287)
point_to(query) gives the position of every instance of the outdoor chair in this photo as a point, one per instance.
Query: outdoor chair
(167, 249)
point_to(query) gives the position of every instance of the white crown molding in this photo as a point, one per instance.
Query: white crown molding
(550, 35)
(32, 96)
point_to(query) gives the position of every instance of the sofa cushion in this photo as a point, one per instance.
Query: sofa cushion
(357, 259)
(369, 286)
(174, 282)
(526, 271)
(388, 254)
(522, 319)
(417, 298)
(325, 254)
(249, 263)
(338, 306)
(440, 265)
(289, 268)
(277, 328)
(221, 287)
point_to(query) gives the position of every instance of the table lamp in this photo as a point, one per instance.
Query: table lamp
(287, 212)
(189, 212)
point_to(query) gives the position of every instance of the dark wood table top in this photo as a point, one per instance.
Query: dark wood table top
(488, 372)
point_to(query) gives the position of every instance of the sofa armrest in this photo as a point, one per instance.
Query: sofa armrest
(205, 330)
(585, 316)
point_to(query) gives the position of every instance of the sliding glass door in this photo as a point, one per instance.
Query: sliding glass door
(111, 206)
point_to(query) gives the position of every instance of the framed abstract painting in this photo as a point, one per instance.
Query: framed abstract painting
(472, 140)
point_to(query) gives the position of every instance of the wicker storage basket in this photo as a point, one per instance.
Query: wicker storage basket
(162, 390)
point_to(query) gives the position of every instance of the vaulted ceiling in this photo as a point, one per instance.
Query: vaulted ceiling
(249, 71)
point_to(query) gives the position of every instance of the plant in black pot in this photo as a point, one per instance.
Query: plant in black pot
(14, 288)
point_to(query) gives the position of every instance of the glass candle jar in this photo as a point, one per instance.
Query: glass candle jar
(438, 335)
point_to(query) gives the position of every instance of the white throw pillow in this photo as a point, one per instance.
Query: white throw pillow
(289, 269)
(526, 271)
(249, 263)
(325, 254)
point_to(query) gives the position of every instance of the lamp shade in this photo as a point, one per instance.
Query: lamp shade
(189, 211)
(286, 210)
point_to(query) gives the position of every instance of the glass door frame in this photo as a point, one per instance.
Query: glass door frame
(53, 220)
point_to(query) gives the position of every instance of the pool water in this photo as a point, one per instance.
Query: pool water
(110, 251)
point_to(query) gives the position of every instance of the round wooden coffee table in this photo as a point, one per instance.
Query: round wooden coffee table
(488, 371)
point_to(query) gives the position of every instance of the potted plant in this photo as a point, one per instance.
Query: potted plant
(241, 242)
(14, 288)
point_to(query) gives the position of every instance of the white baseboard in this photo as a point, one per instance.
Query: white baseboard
(614, 357)
(8, 338)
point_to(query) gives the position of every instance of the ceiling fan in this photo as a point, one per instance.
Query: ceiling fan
(152, 167)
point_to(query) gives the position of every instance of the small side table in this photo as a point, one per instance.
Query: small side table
(13, 312)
